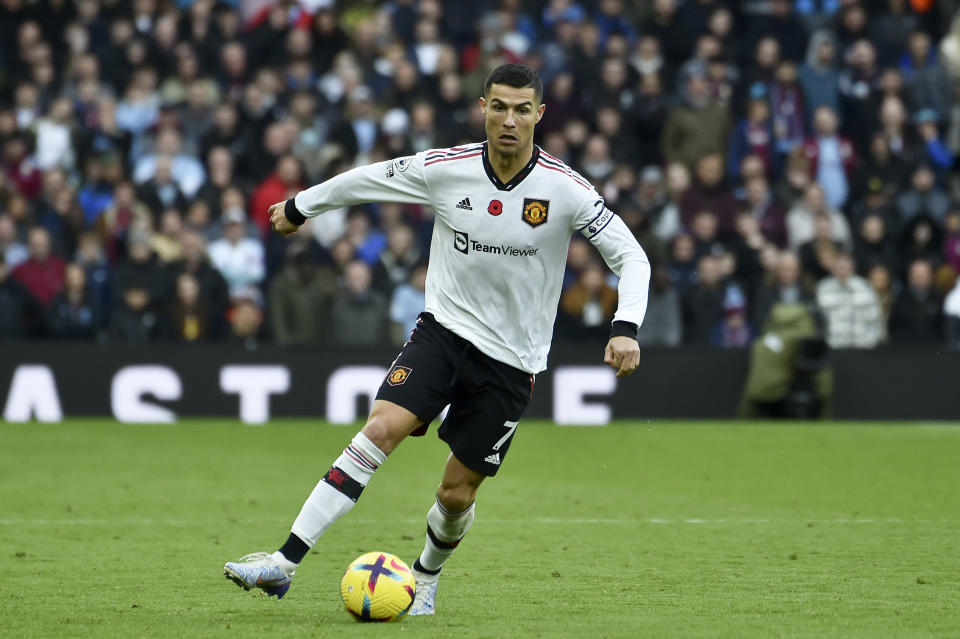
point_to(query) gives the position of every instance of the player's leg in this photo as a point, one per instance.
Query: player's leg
(451, 515)
(333, 497)
(448, 521)
(479, 429)
(414, 391)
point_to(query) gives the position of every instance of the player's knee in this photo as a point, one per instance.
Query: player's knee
(456, 496)
(384, 431)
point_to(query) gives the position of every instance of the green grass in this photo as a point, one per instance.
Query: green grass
(661, 529)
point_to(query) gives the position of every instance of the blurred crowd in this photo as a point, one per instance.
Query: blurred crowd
(762, 152)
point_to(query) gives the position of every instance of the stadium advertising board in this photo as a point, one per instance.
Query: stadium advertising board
(151, 384)
(46, 383)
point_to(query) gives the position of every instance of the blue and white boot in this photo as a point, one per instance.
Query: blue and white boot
(272, 573)
(424, 603)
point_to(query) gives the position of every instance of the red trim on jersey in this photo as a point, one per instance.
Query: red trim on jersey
(553, 168)
(433, 155)
(459, 157)
(549, 159)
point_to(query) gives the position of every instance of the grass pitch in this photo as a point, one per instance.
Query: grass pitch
(661, 529)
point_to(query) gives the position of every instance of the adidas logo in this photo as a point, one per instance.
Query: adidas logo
(493, 459)
(465, 204)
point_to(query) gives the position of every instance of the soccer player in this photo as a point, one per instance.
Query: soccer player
(505, 211)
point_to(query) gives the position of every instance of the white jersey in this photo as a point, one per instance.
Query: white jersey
(498, 251)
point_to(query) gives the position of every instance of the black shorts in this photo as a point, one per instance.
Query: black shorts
(437, 367)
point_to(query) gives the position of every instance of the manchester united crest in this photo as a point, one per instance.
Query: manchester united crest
(535, 211)
(398, 375)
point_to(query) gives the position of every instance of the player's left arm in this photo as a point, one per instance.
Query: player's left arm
(625, 257)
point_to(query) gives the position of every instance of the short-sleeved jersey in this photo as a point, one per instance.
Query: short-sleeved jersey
(498, 251)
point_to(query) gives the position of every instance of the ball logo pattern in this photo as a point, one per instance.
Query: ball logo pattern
(378, 586)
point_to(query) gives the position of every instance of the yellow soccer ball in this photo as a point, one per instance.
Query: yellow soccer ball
(378, 586)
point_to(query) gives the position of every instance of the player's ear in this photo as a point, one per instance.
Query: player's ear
(540, 110)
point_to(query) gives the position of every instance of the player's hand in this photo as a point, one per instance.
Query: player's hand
(279, 221)
(623, 354)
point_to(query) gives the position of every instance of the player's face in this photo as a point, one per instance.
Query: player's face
(509, 116)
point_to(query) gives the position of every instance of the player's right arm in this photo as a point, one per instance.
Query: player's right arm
(399, 180)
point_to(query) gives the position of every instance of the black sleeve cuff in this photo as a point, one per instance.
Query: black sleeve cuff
(623, 329)
(292, 214)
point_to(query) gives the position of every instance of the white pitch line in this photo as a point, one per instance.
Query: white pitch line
(539, 520)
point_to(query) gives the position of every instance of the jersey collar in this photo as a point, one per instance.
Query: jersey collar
(516, 179)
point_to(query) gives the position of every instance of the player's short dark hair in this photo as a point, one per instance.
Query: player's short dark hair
(518, 76)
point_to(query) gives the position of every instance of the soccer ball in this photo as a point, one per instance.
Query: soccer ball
(378, 586)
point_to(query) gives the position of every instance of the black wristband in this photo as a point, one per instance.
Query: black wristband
(623, 329)
(292, 214)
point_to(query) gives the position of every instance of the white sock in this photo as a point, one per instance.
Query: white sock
(444, 532)
(338, 491)
(285, 563)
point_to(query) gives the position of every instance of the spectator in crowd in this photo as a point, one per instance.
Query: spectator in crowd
(368, 241)
(246, 322)
(19, 312)
(133, 321)
(359, 314)
(213, 288)
(221, 174)
(787, 101)
(703, 302)
(754, 134)
(951, 315)
(850, 306)
(951, 243)
(42, 272)
(709, 194)
(881, 172)
(734, 330)
(699, 126)
(832, 157)
(763, 208)
(92, 257)
(141, 270)
(240, 259)
(682, 264)
(787, 286)
(923, 197)
(818, 77)
(104, 136)
(187, 318)
(705, 234)
(880, 278)
(873, 245)
(817, 255)
(74, 312)
(920, 240)
(916, 316)
(160, 191)
(285, 182)
(55, 136)
(397, 261)
(185, 170)
(587, 307)
(406, 304)
(802, 219)
(858, 84)
(299, 299)
(937, 154)
(791, 187)
(663, 323)
(14, 253)
(667, 224)
(164, 120)
(166, 243)
(926, 78)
